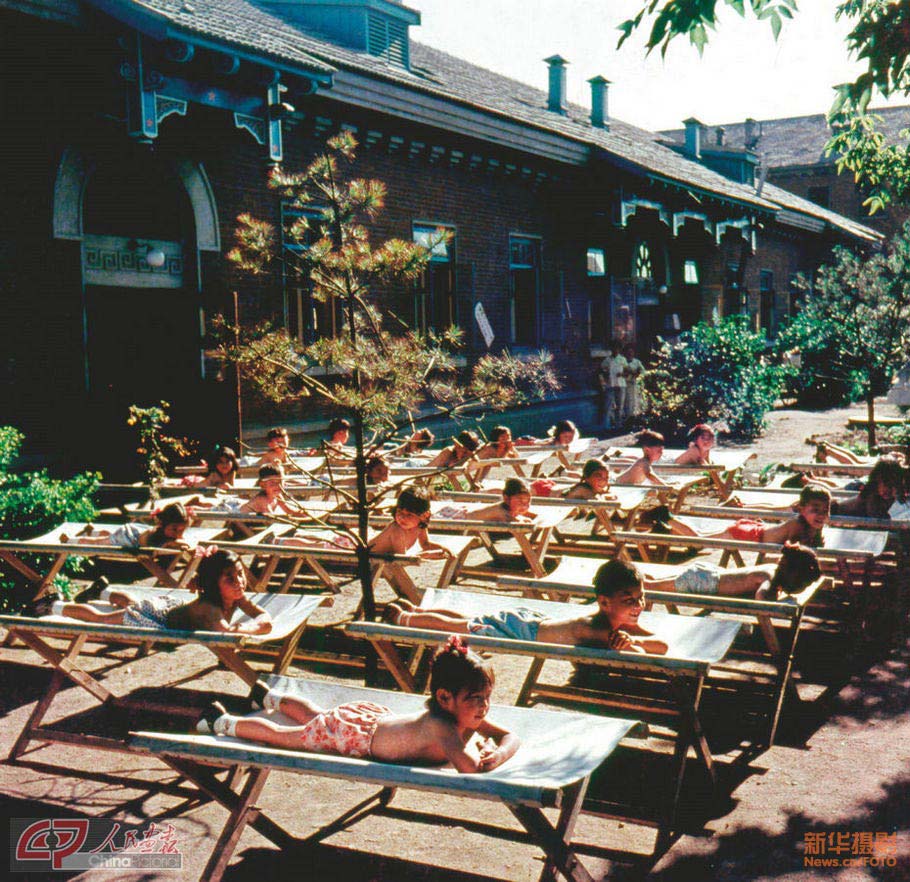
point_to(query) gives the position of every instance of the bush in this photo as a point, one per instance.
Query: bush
(814, 383)
(32, 503)
(713, 373)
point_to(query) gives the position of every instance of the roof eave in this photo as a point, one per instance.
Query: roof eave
(159, 27)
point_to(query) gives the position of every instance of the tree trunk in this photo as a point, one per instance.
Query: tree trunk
(364, 570)
(870, 417)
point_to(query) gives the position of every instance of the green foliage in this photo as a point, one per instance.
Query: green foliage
(713, 373)
(32, 503)
(854, 325)
(155, 447)
(813, 382)
(878, 40)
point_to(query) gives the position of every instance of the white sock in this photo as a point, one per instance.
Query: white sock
(57, 607)
(272, 700)
(226, 724)
(106, 594)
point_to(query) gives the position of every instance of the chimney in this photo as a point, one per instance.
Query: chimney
(751, 133)
(693, 137)
(557, 96)
(600, 117)
(721, 134)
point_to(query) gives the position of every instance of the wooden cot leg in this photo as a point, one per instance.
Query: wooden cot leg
(243, 813)
(784, 670)
(530, 682)
(557, 841)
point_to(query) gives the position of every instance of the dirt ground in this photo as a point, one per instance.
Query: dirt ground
(839, 771)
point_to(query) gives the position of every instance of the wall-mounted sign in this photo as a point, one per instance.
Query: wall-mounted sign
(484, 324)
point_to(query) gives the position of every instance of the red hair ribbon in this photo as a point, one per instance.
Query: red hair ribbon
(455, 643)
(203, 551)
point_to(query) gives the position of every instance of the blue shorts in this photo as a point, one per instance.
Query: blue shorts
(513, 624)
(150, 612)
(699, 578)
(128, 535)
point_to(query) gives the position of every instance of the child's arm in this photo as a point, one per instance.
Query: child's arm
(434, 550)
(503, 747)
(650, 645)
(262, 621)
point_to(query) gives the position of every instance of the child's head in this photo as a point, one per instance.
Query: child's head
(814, 505)
(460, 684)
(277, 439)
(339, 430)
(517, 496)
(421, 438)
(563, 432)
(618, 588)
(412, 508)
(500, 435)
(377, 470)
(223, 461)
(651, 443)
(271, 478)
(173, 520)
(701, 436)
(886, 480)
(595, 473)
(468, 440)
(221, 577)
(797, 568)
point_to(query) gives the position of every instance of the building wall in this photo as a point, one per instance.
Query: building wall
(62, 91)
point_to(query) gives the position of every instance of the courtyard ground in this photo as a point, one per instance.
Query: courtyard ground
(841, 768)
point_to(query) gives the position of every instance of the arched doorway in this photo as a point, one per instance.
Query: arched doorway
(141, 301)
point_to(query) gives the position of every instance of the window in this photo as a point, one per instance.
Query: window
(765, 281)
(388, 39)
(306, 318)
(734, 301)
(597, 263)
(435, 305)
(524, 284)
(820, 196)
(690, 272)
(643, 267)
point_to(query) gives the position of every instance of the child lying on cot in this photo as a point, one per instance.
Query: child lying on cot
(701, 439)
(460, 687)
(610, 623)
(640, 472)
(316, 539)
(221, 579)
(222, 468)
(797, 568)
(463, 448)
(515, 505)
(277, 442)
(410, 518)
(500, 445)
(594, 483)
(813, 510)
(271, 498)
(172, 523)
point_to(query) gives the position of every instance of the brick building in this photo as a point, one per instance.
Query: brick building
(792, 152)
(142, 129)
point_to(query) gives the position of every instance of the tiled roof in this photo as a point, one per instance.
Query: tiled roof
(437, 73)
(234, 23)
(800, 140)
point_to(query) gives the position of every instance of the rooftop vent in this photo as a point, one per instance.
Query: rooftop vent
(600, 117)
(693, 137)
(378, 27)
(557, 94)
(751, 133)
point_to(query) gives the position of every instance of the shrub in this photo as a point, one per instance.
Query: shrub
(32, 503)
(713, 373)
